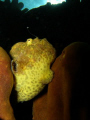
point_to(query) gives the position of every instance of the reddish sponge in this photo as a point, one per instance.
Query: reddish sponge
(68, 94)
(6, 84)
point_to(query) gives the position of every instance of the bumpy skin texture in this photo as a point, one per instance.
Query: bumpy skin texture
(6, 85)
(31, 67)
(68, 95)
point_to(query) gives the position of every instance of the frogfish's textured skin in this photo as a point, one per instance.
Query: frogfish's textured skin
(31, 67)
(6, 84)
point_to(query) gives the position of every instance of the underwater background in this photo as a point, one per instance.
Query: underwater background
(61, 24)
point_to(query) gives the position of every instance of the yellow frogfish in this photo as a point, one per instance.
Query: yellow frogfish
(31, 67)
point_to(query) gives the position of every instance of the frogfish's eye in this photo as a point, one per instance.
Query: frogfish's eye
(13, 66)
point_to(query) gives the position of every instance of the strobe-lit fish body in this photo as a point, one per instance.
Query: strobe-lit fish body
(31, 67)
